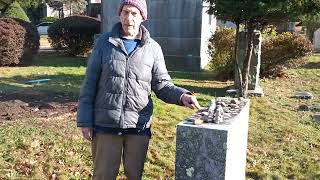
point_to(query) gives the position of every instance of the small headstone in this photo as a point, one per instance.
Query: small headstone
(303, 95)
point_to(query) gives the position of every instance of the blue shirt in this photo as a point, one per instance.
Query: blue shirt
(130, 44)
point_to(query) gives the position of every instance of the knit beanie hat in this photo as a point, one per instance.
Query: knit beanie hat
(140, 4)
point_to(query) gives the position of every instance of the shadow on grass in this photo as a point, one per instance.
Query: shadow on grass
(61, 88)
(193, 75)
(253, 175)
(54, 59)
(312, 65)
(217, 92)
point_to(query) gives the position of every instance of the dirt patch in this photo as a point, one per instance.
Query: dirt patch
(35, 104)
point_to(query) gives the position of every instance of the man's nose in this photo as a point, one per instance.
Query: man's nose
(130, 16)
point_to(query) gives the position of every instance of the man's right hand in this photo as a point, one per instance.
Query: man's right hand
(87, 133)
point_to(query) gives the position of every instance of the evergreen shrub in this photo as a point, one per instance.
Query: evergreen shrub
(221, 52)
(278, 52)
(74, 34)
(283, 51)
(15, 11)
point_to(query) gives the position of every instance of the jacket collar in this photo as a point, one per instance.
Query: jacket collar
(116, 34)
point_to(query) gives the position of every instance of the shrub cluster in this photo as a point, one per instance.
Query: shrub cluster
(31, 42)
(277, 53)
(19, 41)
(74, 34)
(221, 51)
(11, 41)
(284, 50)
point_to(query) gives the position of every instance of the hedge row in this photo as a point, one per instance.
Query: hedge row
(277, 53)
(74, 34)
(19, 42)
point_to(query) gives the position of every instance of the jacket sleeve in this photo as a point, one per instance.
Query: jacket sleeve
(161, 85)
(85, 114)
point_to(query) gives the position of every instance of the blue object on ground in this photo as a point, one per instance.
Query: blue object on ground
(38, 81)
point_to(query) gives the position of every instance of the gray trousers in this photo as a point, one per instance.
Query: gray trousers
(108, 149)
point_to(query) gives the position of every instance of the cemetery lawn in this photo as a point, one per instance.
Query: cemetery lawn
(39, 138)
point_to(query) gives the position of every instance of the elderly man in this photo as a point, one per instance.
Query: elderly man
(115, 105)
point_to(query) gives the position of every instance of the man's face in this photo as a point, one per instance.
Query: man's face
(131, 19)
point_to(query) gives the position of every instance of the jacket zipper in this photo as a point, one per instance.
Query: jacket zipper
(124, 95)
(125, 87)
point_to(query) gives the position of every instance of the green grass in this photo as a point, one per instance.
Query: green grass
(65, 74)
(283, 143)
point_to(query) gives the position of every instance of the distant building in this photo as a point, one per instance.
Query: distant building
(94, 8)
(47, 11)
(225, 24)
(59, 10)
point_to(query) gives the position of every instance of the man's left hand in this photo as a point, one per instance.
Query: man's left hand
(190, 101)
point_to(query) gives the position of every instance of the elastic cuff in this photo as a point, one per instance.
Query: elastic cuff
(182, 95)
(88, 125)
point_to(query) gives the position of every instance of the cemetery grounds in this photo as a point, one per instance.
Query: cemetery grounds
(39, 138)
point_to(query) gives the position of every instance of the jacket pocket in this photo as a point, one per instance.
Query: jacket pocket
(108, 101)
(107, 117)
(136, 103)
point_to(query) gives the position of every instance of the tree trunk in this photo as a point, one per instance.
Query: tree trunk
(70, 8)
(247, 60)
(310, 33)
(238, 68)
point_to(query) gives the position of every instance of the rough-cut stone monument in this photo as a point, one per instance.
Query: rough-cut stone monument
(182, 28)
(213, 151)
(316, 40)
(253, 85)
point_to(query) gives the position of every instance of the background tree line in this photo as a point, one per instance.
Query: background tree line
(32, 7)
(257, 15)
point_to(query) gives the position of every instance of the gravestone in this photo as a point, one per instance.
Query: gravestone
(253, 85)
(316, 40)
(182, 28)
(213, 151)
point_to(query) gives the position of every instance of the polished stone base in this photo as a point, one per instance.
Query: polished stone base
(213, 151)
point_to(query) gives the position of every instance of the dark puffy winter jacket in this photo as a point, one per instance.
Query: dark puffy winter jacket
(116, 91)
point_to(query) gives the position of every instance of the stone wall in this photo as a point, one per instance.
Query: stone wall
(182, 28)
